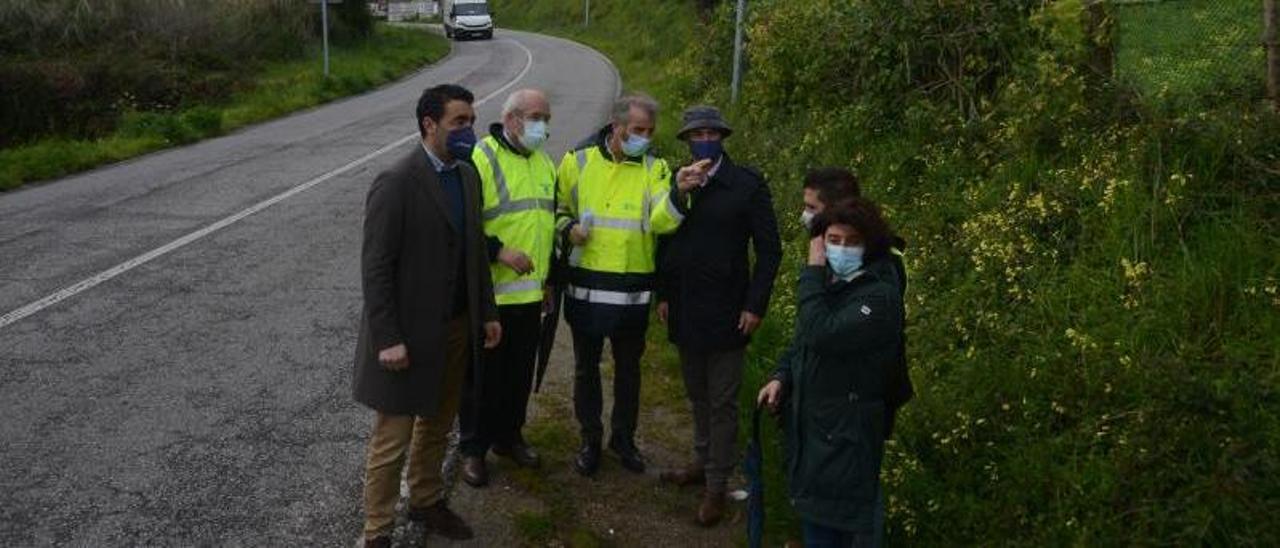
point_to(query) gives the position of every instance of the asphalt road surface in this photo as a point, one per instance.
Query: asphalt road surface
(177, 331)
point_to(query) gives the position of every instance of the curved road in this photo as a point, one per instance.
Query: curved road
(177, 331)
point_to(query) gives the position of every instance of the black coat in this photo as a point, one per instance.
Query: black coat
(703, 271)
(409, 270)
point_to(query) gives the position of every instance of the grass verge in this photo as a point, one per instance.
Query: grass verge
(279, 89)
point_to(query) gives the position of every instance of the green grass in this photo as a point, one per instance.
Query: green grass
(536, 529)
(1094, 295)
(279, 89)
(1187, 50)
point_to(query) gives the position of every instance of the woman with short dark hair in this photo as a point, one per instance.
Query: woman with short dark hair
(831, 391)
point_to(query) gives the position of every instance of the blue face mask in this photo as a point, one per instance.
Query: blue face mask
(705, 150)
(635, 145)
(844, 260)
(459, 142)
(535, 134)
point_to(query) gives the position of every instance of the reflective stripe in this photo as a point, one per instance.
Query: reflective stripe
(575, 256)
(582, 168)
(516, 287)
(609, 297)
(621, 224)
(646, 212)
(648, 163)
(499, 180)
(519, 205)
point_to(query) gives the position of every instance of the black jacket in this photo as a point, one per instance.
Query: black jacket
(703, 267)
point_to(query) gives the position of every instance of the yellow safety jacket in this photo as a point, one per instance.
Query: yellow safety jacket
(625, 205)
(518, 212)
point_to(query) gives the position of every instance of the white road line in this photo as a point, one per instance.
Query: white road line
(92, 281)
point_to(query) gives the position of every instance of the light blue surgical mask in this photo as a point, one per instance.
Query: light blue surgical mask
(844, 260)
(535, 134)
(635, 145)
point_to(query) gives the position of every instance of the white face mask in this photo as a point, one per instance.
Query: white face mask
(806, 217)
(535, 134)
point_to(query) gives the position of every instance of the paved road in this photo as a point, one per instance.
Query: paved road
(201, 394)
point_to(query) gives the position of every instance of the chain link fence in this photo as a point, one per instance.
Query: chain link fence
(1190, 51)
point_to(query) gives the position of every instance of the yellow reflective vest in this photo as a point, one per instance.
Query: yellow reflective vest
(519, 210)
(625, 205)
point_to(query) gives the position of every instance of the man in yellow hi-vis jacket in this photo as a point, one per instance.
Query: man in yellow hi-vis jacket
(615, 198)
(518, 187)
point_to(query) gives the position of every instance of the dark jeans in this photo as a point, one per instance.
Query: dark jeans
(497, 415)
(712, 380)
(820, 536)
(588, 402)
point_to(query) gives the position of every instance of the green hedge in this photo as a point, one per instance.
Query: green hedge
(271, 90)
(1094, 304)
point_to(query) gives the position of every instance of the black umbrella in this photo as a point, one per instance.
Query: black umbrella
(557, 279)
(753, 465)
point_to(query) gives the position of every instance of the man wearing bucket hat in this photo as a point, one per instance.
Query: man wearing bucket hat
(712, 299)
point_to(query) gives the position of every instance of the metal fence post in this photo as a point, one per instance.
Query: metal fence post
(737, 52)
(324, 22)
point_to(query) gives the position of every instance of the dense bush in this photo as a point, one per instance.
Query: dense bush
(1094, 304)
(73, 68)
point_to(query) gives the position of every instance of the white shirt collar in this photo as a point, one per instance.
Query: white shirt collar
(715, 168)
(437, 162)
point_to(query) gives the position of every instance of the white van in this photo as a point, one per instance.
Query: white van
(467, 19)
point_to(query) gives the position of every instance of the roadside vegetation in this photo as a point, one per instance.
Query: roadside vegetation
(1095, 290)
(88, 83)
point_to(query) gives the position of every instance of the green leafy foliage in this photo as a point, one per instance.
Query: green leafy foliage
(275, 89)
(1094, 304)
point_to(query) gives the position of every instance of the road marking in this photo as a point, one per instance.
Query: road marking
(92, 281)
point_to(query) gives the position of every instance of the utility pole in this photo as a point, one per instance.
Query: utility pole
(324, 21)
(737, 51)
(586, 13)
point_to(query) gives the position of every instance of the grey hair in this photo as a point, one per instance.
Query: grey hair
(622, 107)
(516, 100)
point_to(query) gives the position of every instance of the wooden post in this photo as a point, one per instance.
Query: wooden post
(1099, 27)
(1269, 38)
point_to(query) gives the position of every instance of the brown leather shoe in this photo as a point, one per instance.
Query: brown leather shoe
(475, 472)
(441, 520)
(692, 474)
(378, 542)
(712, 508)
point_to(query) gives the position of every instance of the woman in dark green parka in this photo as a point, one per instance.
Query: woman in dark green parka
(830, 387)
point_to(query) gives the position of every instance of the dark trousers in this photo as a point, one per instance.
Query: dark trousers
(712, 380)
(496, 416)
(588, 401)
(821, 536)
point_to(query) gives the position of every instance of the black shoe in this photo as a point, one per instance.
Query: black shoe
(378, 542)
(588, 459)
(439, 519)
(475, 472)
(520, 453)
(630, 456)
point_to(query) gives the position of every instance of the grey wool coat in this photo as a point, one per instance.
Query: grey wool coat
(408, 267)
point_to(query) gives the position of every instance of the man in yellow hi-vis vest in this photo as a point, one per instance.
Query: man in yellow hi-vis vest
(518, 188)
(615, 198)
